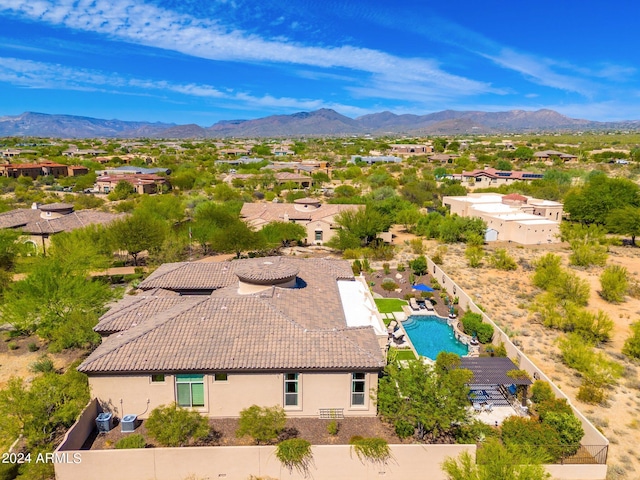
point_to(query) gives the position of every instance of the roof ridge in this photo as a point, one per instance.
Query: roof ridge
(146, 328)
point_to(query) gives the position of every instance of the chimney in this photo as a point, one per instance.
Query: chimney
(35, 206)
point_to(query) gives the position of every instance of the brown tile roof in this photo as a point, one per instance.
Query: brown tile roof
(279, 328)
(30, 221)
(257, 214)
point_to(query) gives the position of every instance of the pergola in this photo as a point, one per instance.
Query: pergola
(493, 371)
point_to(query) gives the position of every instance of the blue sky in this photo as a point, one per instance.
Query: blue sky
(201, 61)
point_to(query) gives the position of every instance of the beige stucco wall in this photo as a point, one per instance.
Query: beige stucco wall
(136, 394)
(324, 226)
(330, 462)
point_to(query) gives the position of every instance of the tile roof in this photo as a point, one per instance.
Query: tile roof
(303, 327)
(260, 213)
(31, 222)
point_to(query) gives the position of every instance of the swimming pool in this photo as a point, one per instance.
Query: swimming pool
(431, 335)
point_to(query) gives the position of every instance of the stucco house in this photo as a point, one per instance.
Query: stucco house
(219, 337)
(513, 217)
(316, 217)
(40, 222)
(491, 177)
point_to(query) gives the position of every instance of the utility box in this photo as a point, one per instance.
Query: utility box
(104, 422)
(129, 423)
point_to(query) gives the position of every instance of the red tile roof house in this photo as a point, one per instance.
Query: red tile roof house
(41, 221)
(220, 337)
(316, 217)
(141, 182)
(491, 177)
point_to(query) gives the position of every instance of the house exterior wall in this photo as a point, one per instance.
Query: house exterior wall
(323, 226)
(128, 394)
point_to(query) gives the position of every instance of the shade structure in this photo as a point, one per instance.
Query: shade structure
(422, 287)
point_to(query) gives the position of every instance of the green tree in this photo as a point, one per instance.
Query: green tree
(122, 191)
(173, 426)
(263, 424)
(614, 283)
(363, 224)
(43, 409)
(474, 256)
(52, 295)
(283, 233)
(502, 260)
(548, 269)
(523, 153)
(237, 238)
(138, 233)
(419, 265)
(625, 221)
(496, 461)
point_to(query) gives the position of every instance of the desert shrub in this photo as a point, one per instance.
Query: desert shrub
(132, 441)
(417, 246)
(356, 267)
(569, 430)
(569, 287)
(548, 269)
(401, 267)
(590, 393)
(500, 350)
(473, 325)
(12, 346)
(502, 260)
(520, 431)
(474, 256)
(173, 426)
(388, 285)
(553, 405)
(295, 453)
(43, 365)
(333, 427)
(594, 366)
(438, 255)
(386, 269)
(614, 282)
(631, 346)
(541, 391)
(32, 347)
(261, 423)
(374, 449)
(403, 428)
(596, 327)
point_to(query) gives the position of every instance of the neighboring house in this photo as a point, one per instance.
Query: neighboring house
(35, 170)
(549, 156)
(15, 152)
(76, 152)
(303, 181)
(443, 157)
(236, 151)
(490, 177)
(511, 218)
(220, 337)
(133, 170)
(142, 182)
(405, 149)
(244, 160)
(375, 159)
(41, 221)
(316, 217)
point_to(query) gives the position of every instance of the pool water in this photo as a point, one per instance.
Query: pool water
(431, 335)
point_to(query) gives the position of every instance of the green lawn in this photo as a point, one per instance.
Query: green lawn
(389, 305)
(404, 354)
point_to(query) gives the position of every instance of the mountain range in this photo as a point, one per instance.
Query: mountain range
(323, 122)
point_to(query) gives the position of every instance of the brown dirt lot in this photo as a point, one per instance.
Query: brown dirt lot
(312, 429)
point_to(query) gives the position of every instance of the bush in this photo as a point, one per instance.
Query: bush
(404, 429)
(132, 441)
(333, 427)
(32, 347)
(569, 430)
(569, 287)
(401, 267)
(43, 365)
(12, 346)
(502, 260)
(473, 325)
(631, 346)
(295, 453)
(374, 449)
(548, 269)
(591, 394)
(474, 256)
(520, 431)
(553, 405)
(541, 391)
(261, 423)
(614, 282)
(173, 426)
(500, 350)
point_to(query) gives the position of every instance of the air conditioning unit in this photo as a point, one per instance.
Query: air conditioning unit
(128, 423)
(104, 422)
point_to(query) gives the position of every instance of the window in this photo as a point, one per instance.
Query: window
(157, 378)
(318, 235)
(357, 389)
(291, 389)
(190, 390)
(220, 377)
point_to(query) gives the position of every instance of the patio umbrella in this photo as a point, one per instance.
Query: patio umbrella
(422, 287)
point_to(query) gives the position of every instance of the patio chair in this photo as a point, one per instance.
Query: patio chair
(489, 407)
(477, 407)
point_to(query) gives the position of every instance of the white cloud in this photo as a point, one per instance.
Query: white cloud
(152, 26)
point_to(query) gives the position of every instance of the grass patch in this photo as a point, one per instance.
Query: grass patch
(389, 305)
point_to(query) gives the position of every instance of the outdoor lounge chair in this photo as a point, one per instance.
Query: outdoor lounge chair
(489, 407)
(477, 407)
